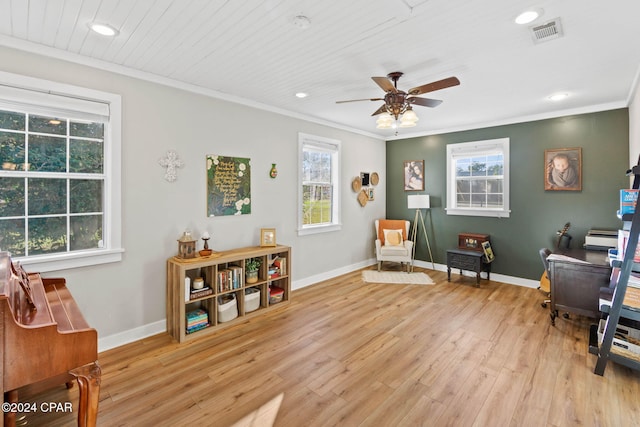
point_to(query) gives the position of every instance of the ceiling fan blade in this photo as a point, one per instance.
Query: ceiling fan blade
(430, 87)
(382, 109)
(425, 102)
(385, 84)
(356, 100)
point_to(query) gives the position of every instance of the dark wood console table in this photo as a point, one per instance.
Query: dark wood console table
(467, 260)
(576, 278)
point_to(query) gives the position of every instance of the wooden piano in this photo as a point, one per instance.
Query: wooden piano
(44, 338)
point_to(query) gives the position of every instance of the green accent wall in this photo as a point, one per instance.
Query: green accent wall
(536, 214)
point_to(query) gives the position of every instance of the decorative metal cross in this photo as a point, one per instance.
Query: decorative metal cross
(171, 162)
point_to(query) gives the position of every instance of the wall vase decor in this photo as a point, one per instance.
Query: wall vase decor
(228, 186)
(273, 172)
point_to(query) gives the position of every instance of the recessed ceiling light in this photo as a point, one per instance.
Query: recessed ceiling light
(528, 16)
(558, 96)
(103, 29)
(302, 94)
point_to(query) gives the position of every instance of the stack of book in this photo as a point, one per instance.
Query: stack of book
(601, 240)
(277, 267)
(197, 320)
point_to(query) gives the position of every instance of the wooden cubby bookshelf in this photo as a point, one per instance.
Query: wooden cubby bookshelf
(210, 268)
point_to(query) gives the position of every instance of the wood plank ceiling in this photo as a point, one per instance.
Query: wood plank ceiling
(251, 51)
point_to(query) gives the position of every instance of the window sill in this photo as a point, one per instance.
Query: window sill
(55, 262)
(496, 213)
(319, 229)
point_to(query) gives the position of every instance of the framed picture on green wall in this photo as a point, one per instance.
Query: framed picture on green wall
(414, 175)
(563, 169)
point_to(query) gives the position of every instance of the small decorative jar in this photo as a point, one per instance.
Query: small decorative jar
(198, 283)
(273, 172)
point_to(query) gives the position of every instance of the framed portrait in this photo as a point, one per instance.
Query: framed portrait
(563, 169)
(414, 175)
(371, 194)
(267, 237)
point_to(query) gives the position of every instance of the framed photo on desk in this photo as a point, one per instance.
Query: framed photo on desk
(267, 237)
(488, 252)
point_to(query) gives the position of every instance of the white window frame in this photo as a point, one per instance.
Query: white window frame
(334, 147)
(36, 94)
(465, 149)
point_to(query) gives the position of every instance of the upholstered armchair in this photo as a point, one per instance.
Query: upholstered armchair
(392, 242)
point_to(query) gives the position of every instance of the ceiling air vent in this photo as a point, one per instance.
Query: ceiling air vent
(548, 31)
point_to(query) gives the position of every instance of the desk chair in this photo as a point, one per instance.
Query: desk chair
(545, 281)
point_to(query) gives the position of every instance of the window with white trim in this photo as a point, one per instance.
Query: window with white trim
(478, 178)
(59, 174)
(318, 184)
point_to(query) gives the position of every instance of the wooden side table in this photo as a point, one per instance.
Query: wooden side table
(467, 260)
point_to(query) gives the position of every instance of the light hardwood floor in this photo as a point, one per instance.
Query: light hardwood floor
(346, 353)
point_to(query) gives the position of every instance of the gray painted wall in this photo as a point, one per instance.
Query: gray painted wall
(536, 214)
(126, 300)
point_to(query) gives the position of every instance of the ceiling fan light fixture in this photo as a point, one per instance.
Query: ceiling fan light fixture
(384, 121)
(408, 119)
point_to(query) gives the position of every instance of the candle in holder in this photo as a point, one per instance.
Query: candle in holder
(206, 251)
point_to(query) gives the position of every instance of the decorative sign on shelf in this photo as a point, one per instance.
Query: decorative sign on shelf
(228, 185)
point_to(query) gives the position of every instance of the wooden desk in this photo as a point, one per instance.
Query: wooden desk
(467, 260)
(576, 278)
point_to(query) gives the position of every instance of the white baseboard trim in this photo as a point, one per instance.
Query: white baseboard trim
(511, 280)
(135, 334)
(141, 332)
(308, 281)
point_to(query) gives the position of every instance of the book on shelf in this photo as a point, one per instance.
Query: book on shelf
(634, 280)
(277, 267)
(199, 293)
(281, 264)
(632, 298)
(628, 200)
(623, 238)
(230, 278)
(197, 325)
(197, 328)
(196, 313)
(196, 320)
(237, 278)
